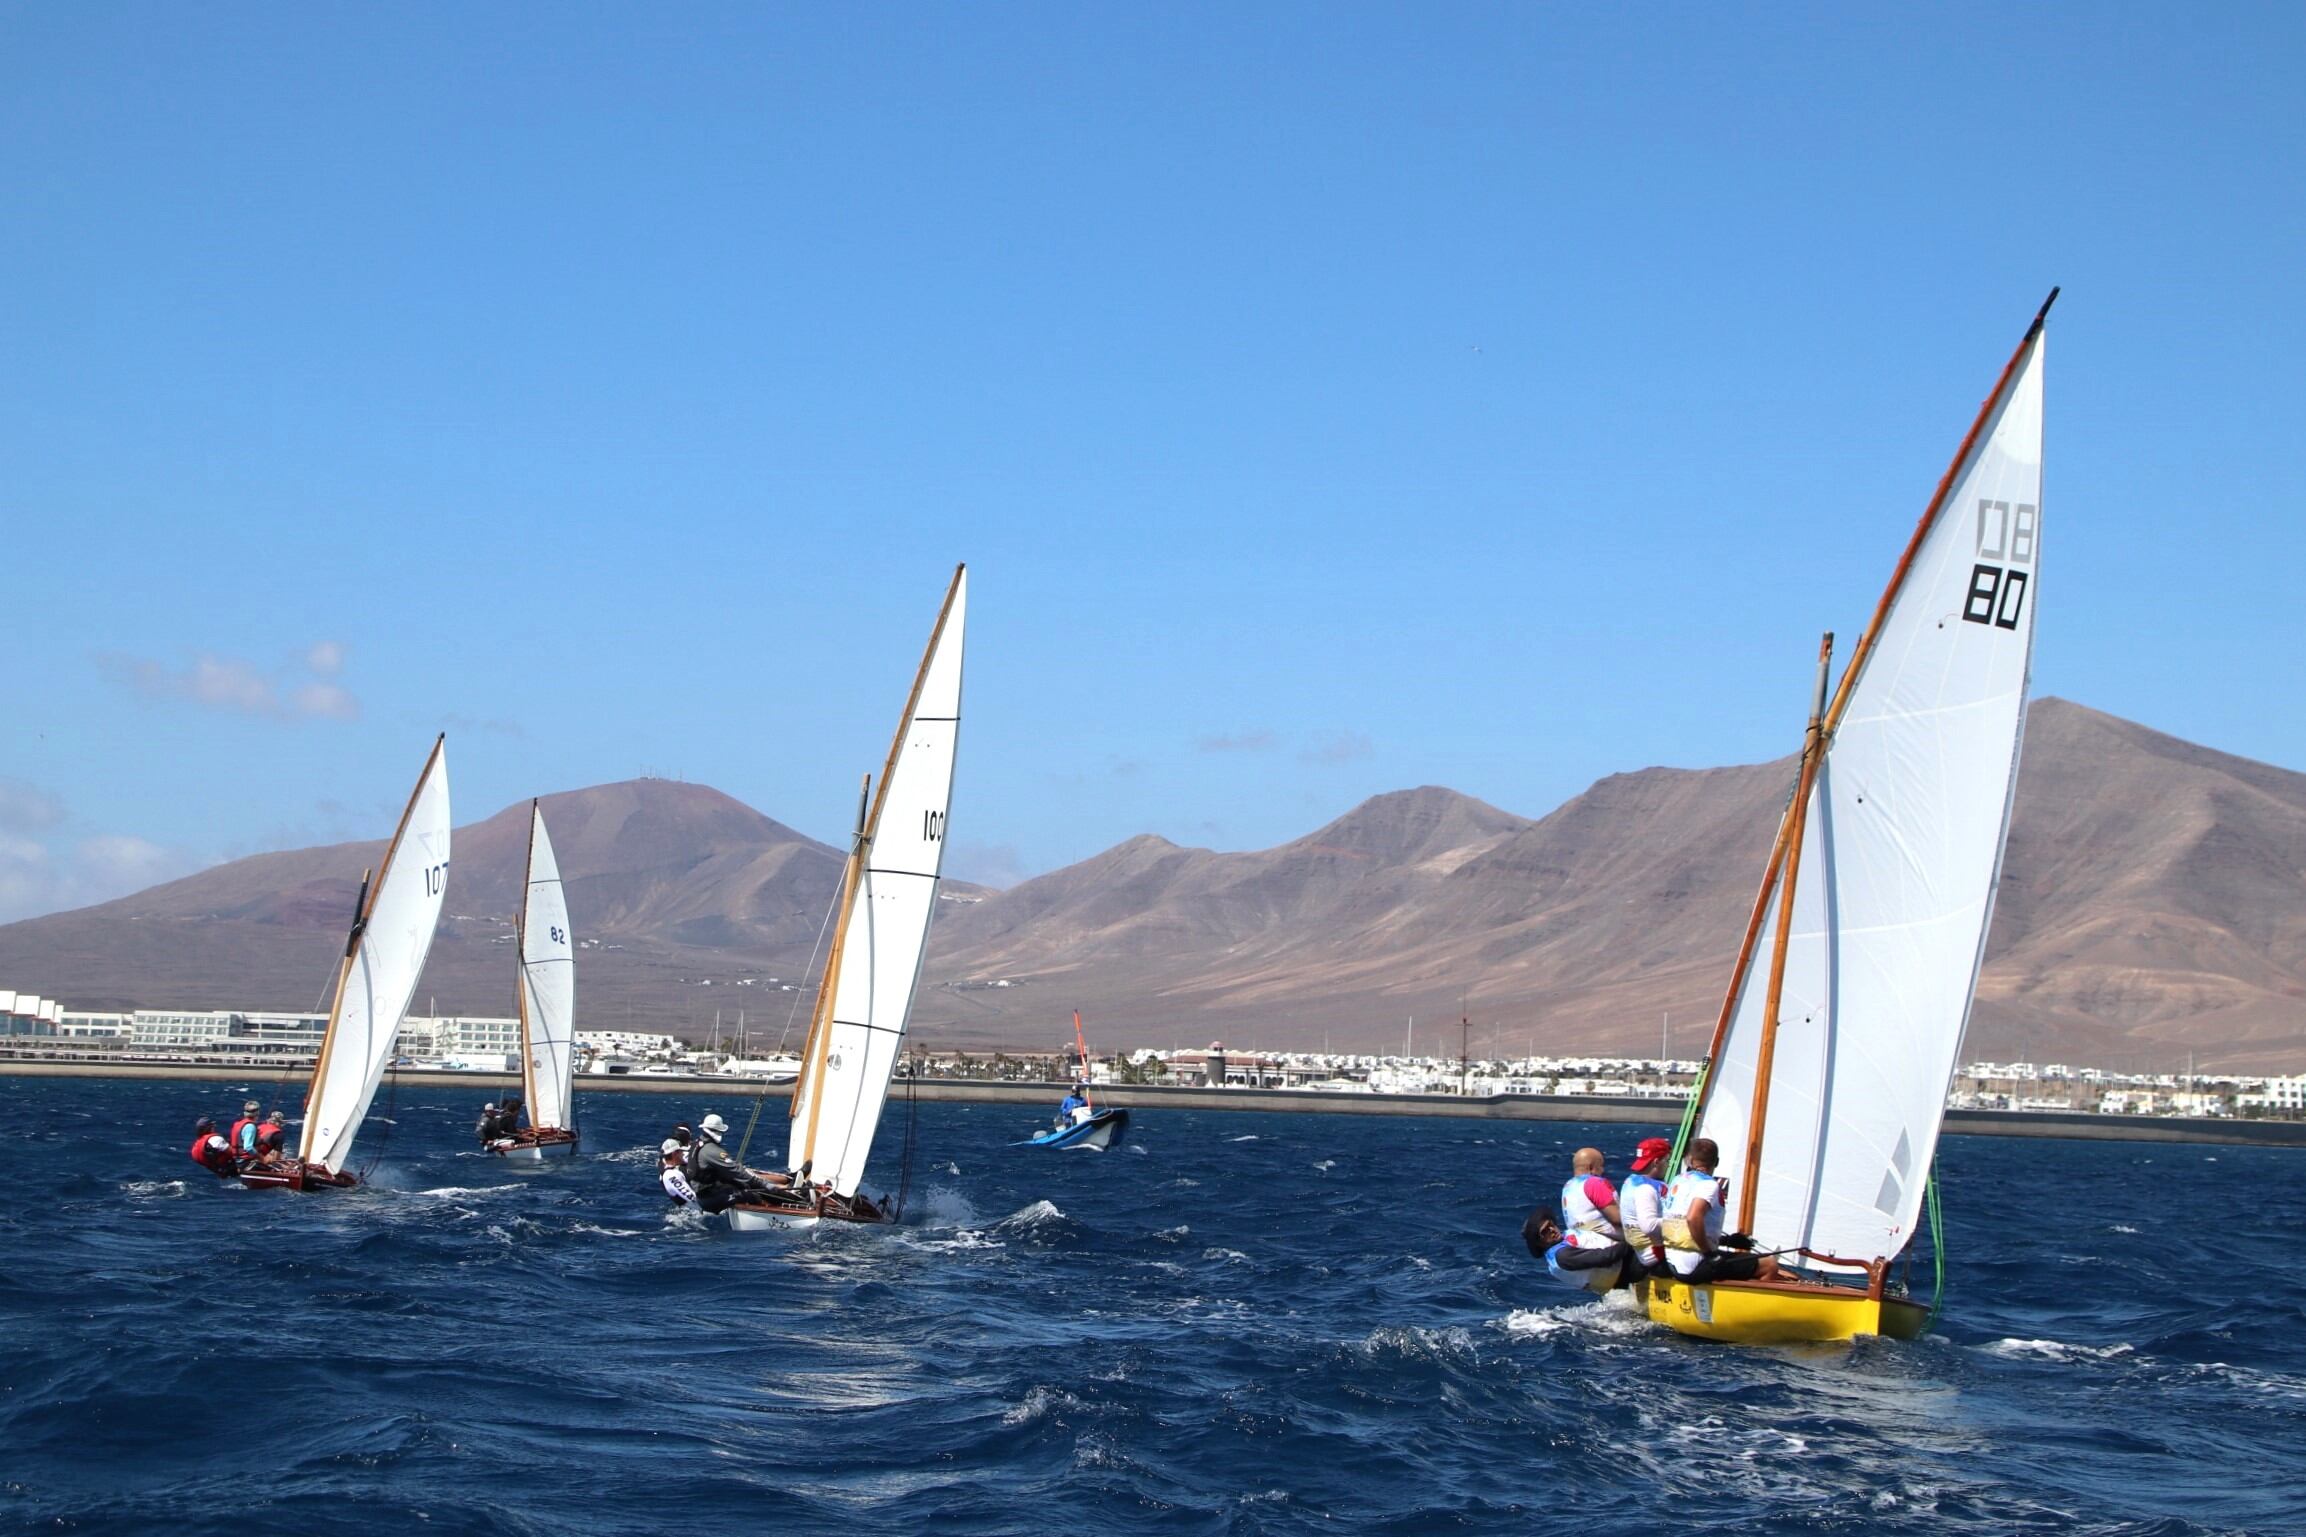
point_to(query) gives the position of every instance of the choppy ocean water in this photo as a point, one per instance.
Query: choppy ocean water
(1240, 1323)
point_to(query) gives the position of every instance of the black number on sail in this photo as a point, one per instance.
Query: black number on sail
(932, 825)
(435, 877)
(2006, 538)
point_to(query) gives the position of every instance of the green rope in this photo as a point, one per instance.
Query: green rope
(1689, 1113)
(1937, 1246)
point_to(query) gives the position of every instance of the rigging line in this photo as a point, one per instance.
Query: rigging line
(761, 1097)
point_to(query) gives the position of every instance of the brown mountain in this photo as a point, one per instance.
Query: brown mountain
(2153, 904)
(675, 883)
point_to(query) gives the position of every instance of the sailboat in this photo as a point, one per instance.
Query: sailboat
(1097, 1130)
(392, 930)
(547, 999)
(1827, 1074)
(888, 892)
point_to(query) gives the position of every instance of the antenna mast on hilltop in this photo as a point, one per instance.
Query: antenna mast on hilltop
(1464, 1051)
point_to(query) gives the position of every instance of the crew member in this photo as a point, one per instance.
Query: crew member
(1641, 1205)
(1692, 1229)
(1579, 1269)
(720, 1180)
(1592, 1233)
(210, 1150)
(1074, 1108)
(672, 1176)
(497, 1123)
(243, 1133)
(271, 1137)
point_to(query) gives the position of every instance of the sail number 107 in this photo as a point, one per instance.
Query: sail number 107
(1998, 582)
(435, 878)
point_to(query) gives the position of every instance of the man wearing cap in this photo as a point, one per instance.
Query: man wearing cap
(671, 1175)
(243, 1133)
(720, 1180)
(211, 1151)
(271, 1137)
(1641, 1205)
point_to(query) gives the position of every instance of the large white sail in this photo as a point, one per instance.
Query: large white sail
(1895, 885)
(388, 947)
(547, 984)
(837, 1104)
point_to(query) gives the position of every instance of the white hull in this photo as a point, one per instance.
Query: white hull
(769, 1222)
(540, 1152)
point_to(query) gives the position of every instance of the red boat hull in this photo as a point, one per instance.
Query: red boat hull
(291, 1175)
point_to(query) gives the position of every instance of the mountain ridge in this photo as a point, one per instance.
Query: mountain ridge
(2153, 903)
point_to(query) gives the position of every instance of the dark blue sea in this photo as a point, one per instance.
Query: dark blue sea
(1239, 1323)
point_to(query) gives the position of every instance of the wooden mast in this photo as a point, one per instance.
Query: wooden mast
(520, 978)
(335, 1002)
(1858, 656)
(1797, 822)
(368, 892)
(821, 1023)
(1864, 649)
(820, 1042)
(1786, 851)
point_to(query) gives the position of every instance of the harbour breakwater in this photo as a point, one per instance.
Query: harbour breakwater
(1589, 1109)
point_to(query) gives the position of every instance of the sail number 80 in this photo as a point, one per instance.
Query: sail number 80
(2006, 540)
(933, 826)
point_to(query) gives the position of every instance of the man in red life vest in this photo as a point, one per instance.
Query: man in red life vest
(271, 1137)
(211, 1151)
(242, 1137)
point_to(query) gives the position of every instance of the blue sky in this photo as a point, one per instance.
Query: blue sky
(1327, 399)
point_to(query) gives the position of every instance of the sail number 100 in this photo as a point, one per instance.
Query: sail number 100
(933, 826)
(2006, 540)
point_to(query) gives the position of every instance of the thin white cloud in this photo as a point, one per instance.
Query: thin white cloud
(985, 864)
(1340, 747)
(236, 687)
(36, 879)
(26, 808)
(1244, 741)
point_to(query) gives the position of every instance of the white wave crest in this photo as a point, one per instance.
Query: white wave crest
(1039, 1404)
(2056, 1350)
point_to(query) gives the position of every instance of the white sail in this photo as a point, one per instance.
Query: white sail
(837, 1104)
(1895, 885)
(547, 985)
(389, 944)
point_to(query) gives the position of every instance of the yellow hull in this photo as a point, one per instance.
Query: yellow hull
(1780, 1313)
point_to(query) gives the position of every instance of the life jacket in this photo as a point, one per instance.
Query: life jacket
(1583, 1223)
(1639, 1197)
(243, 1135)
(270, 1134)
(676, 1184)
(1596, 1279)
(1689, 1187)
(210, 1152)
